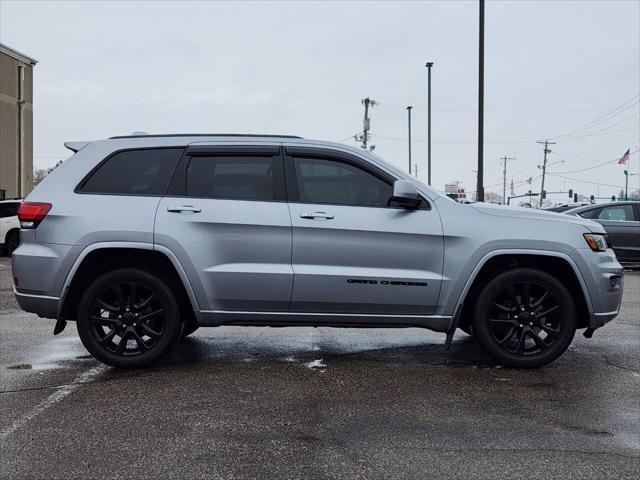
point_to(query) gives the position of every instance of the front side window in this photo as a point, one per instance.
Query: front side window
(622, 213)
(321, 180)
(234, 177)
(134, 172)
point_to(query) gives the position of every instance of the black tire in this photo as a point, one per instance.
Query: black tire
(527, 337)
(12, 241)
(131, 306)
(188, 328)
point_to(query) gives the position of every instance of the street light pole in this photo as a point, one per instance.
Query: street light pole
(429, 65)
(480, 185)
(409, 121)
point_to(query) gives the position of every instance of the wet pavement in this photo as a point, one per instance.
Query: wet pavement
(311, 403)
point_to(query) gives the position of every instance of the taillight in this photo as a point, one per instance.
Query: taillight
(31, 214)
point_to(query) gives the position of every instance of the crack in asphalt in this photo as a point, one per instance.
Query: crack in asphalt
(622, 367)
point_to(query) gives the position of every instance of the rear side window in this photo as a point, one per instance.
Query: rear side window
(134, 172)
(235, 177)
(622, 213)
(9, 209)
(590, 213)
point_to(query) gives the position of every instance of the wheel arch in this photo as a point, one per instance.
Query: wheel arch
(99, 258)
(557, 264)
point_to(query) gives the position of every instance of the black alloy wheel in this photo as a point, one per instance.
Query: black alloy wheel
(525, 318)
(128, 318)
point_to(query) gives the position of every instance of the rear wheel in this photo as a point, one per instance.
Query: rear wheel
(12, 241)
(524, 318)
(128, 318)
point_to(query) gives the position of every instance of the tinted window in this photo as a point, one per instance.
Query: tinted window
(593, 213)
(9, 209)
(235, 177)
(330, 181)
(618, 212)
(135, 172)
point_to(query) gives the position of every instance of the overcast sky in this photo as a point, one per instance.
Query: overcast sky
(552, 67)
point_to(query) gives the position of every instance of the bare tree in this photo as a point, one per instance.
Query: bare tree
(40, 173)
(492, 197)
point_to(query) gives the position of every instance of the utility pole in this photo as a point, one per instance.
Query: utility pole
(409, 120)
(429, 65)
(480, 185)
(504, 178)
(366, 124)
(546, 144)
(626, 185)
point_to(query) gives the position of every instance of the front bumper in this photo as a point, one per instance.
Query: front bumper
(604, 281)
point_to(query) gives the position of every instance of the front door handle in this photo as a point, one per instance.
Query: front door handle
(184, 209)
(317, 216)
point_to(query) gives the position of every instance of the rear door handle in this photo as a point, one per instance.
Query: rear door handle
(316, 215)
(184, 209)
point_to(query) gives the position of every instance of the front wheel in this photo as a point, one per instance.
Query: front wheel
(524, 318)
(128, 318)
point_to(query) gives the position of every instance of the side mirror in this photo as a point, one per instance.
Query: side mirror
(405, 194)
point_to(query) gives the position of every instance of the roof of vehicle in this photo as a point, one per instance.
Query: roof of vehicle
(250, 135)
(576, 210)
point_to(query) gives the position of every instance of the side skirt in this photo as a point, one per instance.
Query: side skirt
(212, 318)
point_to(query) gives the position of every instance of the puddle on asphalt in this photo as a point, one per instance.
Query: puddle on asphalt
(316, 364)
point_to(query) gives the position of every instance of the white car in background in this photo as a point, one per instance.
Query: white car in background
(9, 225)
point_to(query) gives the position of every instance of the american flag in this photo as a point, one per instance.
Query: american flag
(624, 158)
(529, 180)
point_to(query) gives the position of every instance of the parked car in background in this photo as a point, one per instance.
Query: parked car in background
(142, 239)
(9, 226)
(563, 207)
(621, 220)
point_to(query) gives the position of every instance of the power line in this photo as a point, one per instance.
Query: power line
(608, 162)
(499, 142)
(584, 181)
(604, 117)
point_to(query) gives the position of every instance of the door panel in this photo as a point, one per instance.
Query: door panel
(366, 259)
(623, 229)
(230, 228)
(238, 252)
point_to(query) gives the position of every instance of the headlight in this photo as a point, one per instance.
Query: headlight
(598, 242)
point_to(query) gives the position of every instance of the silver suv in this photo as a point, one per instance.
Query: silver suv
(143, 239)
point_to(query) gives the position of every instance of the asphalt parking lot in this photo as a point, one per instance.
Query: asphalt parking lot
(317, 403)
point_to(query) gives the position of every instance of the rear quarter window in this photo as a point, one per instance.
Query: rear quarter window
(133, 172)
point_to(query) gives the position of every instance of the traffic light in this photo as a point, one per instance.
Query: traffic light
(593, 199)
(613, 198)
(571, 193)
(575, 197)
(544, 194)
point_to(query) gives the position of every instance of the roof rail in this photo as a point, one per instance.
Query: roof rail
(250, 135)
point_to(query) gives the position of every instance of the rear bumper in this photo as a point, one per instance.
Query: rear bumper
(41, 305)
